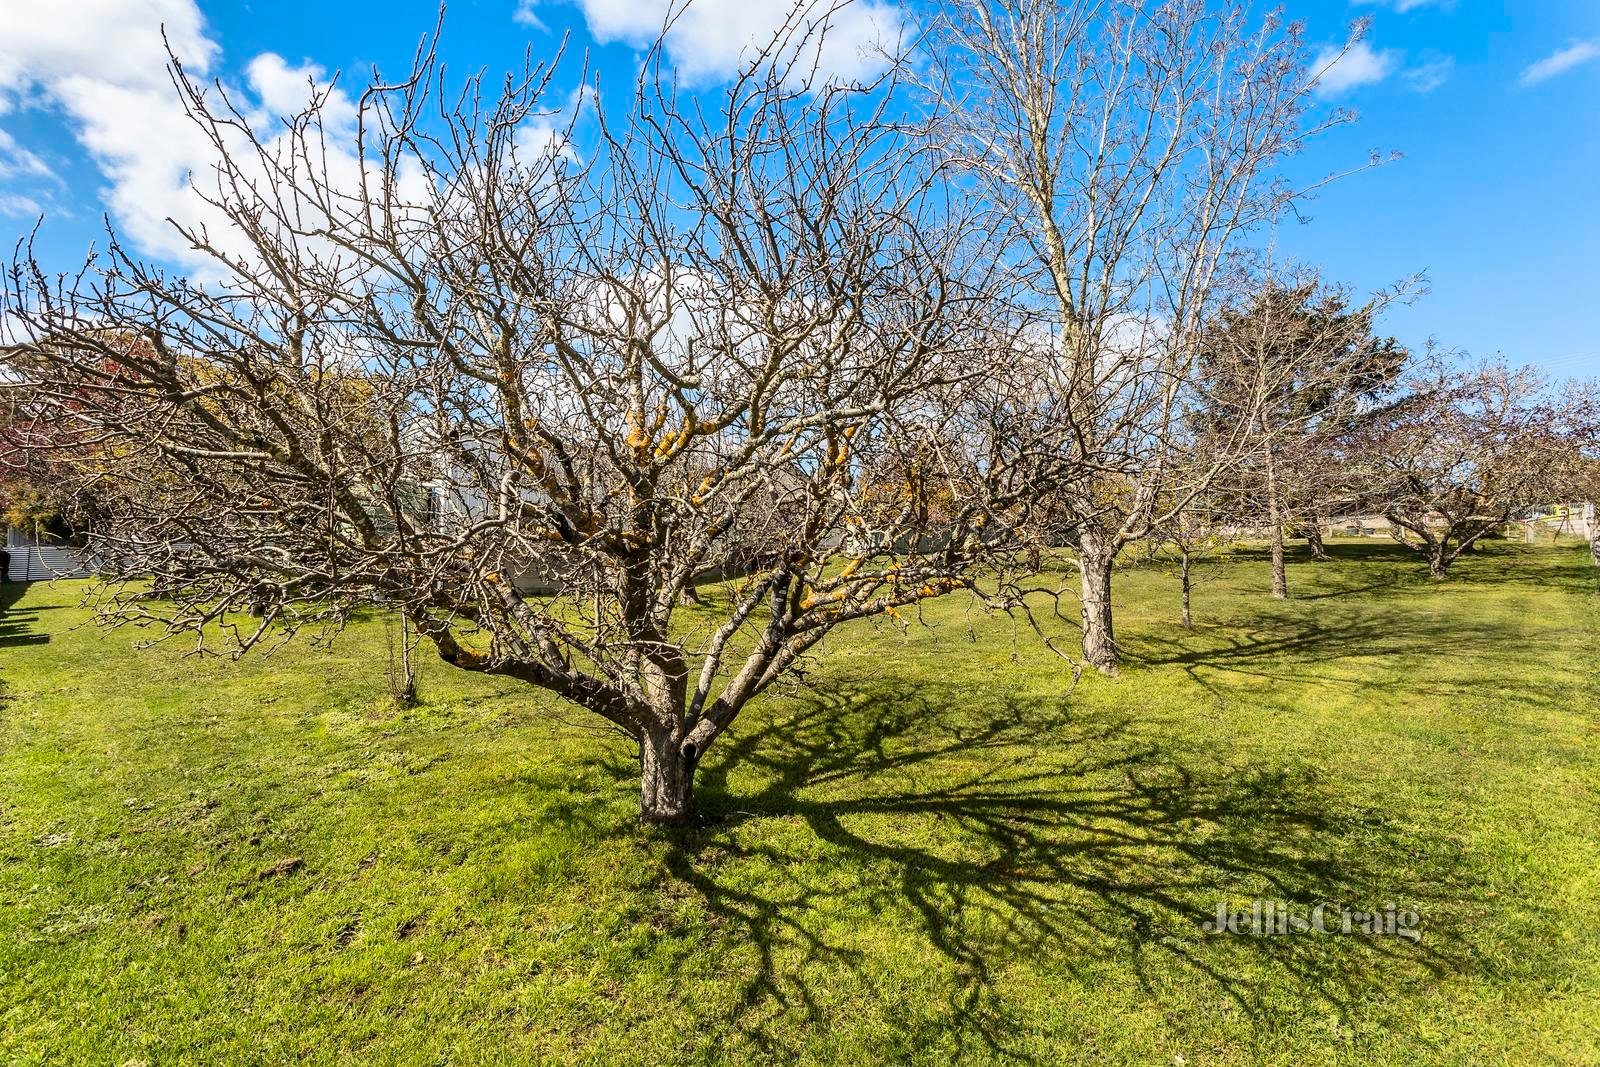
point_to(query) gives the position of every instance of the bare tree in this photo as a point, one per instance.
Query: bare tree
(1299, 358)
(526, 388)
(1197, 537)
(1459, 455)
(1128, 146)
(1575, 468)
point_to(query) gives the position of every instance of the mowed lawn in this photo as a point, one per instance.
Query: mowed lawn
(934, 850)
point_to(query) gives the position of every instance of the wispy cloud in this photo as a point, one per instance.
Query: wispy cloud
(18, 206)
(1573, 55)
(17, 161)
(1337, 71)
(1428, 73)
(1408, 5)
(1405, 6)
(525, 15)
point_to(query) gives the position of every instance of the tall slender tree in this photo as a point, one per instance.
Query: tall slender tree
(1300, 359)
(1128, 147)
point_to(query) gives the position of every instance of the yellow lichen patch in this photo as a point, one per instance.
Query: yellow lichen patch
(672, 442)
(466, 658)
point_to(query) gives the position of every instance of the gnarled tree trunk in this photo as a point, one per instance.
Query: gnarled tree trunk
(1099, 639)
(666, 776)
(1319, 551)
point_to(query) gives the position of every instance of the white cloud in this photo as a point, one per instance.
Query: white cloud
(17, 162)
(1339, 71)
(15, 205)
(525, 15)
(1429, 74)
(708, 39)
(283, 90)
(1560, 62)
(115, 40)
(103, 63)
(1406, 6)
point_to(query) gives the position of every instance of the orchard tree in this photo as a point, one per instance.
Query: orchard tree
(1300, 359)
(1577, 470)
(41, 492)
(1198, 538)
(1459, 455)
(524, 381)
(1128, 148)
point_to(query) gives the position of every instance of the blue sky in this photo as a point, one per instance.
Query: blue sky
(1495, 105)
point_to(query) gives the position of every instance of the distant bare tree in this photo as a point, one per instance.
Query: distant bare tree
(1197, 536)
(1461, 454)
(1298, 357)
(525, 391)
(1128, 146)
(1577, 469)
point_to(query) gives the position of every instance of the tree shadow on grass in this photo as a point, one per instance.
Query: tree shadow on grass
(1382, 566)
(17, 624)
(1006, 834)
(1314, 648)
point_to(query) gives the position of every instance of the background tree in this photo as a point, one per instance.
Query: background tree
(1197, 537)
(1577, 469)
(1300, 359)
(1127, 148)
(1459, 455)
(525, 390)
(40, 492)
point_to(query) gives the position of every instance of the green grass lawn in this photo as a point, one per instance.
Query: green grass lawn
(934, 850)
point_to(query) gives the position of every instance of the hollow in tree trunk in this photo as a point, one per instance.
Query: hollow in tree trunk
(1099, 639)
(666, 776)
